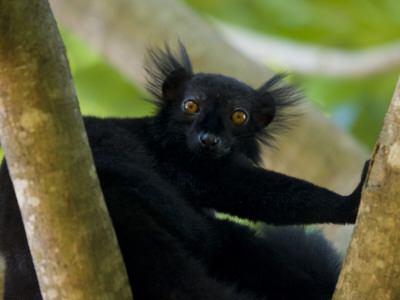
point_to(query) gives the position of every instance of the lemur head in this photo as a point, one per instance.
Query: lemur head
(215, 115)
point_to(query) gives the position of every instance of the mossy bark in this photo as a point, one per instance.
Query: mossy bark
(73, 244)
(372, 265)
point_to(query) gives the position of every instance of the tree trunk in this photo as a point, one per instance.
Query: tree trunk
(372, 265)
(70, 234)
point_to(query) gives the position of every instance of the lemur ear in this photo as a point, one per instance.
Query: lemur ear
(276, 101)
(264, 116)
(264, 108)
(172, 83)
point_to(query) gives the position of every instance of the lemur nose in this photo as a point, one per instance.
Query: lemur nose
(208, 140)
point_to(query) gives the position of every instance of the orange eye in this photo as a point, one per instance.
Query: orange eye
(239, 117)
(190, 107)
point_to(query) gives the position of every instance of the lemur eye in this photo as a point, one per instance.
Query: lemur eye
(239, 116)
(190, 107)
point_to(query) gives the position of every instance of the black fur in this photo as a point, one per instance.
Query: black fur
(161, 174)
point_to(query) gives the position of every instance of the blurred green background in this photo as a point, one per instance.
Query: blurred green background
(357, 104)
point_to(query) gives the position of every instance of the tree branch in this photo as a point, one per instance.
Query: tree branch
(372, 265)
(70, 234)
(312, 59)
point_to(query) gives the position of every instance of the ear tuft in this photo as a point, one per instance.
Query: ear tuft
(166, 71)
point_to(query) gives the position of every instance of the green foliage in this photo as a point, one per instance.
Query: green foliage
(236, 219)
(101, 90)
(357, 105)
(343, 23)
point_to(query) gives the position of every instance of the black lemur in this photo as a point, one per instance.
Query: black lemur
(160, 175)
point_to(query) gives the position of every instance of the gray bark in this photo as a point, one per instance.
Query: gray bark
(70, 235)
